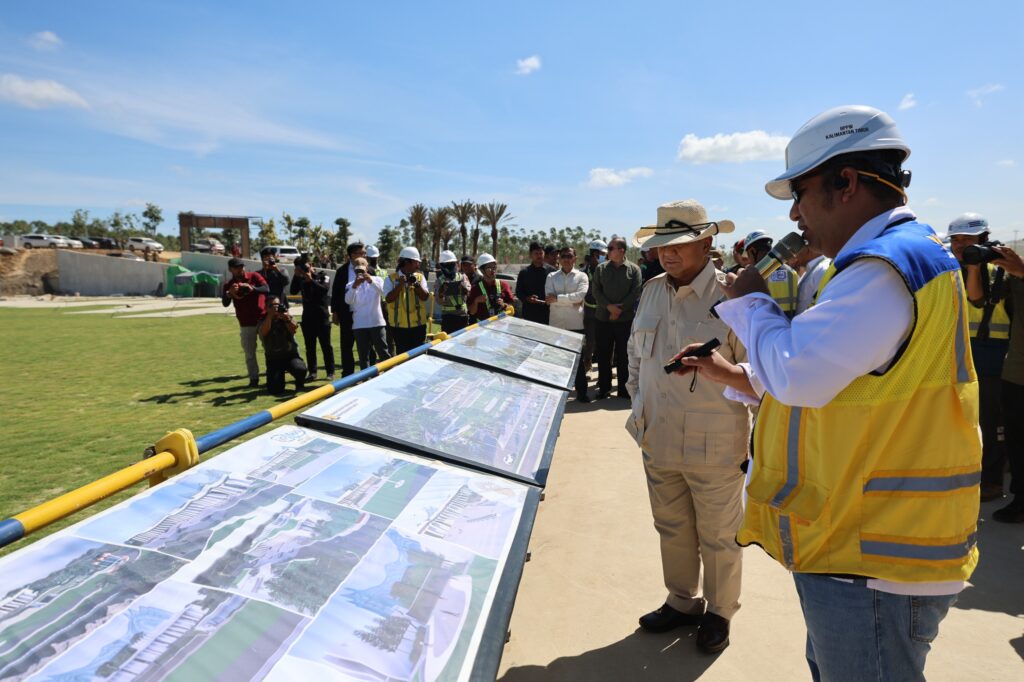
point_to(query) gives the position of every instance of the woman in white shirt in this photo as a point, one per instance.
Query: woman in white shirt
(363, 295)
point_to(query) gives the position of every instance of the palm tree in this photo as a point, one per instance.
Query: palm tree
(463, 213)
(477, 217)
(494, 215)
(418, 220)
(440, 229)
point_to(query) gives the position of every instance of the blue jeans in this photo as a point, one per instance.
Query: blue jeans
(854, 633)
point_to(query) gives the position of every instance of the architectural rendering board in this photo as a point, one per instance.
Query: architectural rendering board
(515, 355)
(553, 336)
(452, 411)
(294, 554)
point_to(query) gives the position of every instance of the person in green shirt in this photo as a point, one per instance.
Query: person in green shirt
(616, 288)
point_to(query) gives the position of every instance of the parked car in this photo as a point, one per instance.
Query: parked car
(88, 242)
(40, 241)
(285, 253)
(208, 246)
(104, 242)
(140, 244)
(74, 243)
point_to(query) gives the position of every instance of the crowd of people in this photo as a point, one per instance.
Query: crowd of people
(865, 391)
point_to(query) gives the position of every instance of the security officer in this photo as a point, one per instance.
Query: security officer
(693, 439)
(866, 453)
(597, 251)
(406, 294)
(987, 288)
(783, 283)
(452, 289)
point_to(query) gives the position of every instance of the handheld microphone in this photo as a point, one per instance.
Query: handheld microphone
(784, 249)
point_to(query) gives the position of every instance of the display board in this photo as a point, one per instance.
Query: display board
(452, 411)
(296, 555)
(513, 355)
(553, 336)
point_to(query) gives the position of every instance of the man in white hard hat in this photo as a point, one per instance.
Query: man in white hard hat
(372, 256)
(405, 298)
(866, 453)
(491, 295)
(340, 311)
(693, 439)
(782, 284)
(452, 290)
(990, 338)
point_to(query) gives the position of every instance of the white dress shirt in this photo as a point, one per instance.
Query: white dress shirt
(857, 325)
(364, 300)
(809, 282)
(570, 290)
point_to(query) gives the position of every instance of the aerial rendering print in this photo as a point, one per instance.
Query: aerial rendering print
(539, 332)
(516, 354)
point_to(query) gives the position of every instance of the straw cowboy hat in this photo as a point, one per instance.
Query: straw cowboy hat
(680, 222)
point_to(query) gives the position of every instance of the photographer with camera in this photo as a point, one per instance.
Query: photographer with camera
(316, 321)
(451, 292)
(277, 280)
(364, 298)
(987, 288)
(341, 313)
(491, 295)
(405, 292)
(277, 331)
(246, 291)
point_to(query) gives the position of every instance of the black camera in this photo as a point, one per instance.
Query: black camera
(280, 307)
(976, 254)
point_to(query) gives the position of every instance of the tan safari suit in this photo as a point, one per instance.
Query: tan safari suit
(692, 443)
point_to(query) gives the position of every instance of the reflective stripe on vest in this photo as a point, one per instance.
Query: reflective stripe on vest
(487, 297)
(882, 481)
(407, 310)
(784, 290)
(999, 323)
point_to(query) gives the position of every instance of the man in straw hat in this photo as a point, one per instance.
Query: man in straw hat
(694, 441)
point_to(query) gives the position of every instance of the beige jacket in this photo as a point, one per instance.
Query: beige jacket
(673, 426)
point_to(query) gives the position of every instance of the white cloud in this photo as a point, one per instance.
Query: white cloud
(977, 94)
(38, 94)
(608, 177)
(528, 65)
(755, 145)
(908, 102)
(1007, 163)
(45, 41)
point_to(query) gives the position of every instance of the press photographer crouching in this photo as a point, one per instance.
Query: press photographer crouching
(316, 319)
(277, 331)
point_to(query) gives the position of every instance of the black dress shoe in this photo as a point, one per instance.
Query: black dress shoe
(713, 633)
(1011, 513)
(582, 397)
(601, 395)
(667, 618)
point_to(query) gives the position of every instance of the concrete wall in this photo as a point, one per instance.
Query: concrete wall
(218, 265)
(99, 275)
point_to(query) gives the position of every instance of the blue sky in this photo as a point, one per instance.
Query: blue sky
(573, 113)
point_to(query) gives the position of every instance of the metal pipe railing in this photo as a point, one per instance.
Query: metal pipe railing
(40, 516)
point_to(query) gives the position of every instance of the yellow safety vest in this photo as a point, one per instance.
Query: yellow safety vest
(407, 310)
(999, 323)
(881, 482)
(782, 287)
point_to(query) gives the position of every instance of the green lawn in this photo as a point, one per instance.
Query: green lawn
(84, 395)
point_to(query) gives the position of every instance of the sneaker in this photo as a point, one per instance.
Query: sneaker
(330, 378)
(1011, 513)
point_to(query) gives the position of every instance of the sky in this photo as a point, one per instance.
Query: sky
(572, 113)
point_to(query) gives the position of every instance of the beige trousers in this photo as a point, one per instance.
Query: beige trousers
(697, 511)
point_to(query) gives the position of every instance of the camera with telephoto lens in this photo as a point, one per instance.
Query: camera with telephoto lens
(976, 254)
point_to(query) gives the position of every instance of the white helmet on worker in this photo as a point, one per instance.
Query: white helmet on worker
(598, 245)
(842, 130)
(372, 251)
(973, 224)
(447, 257)
(409, 253)
(755, 237)
(484, 259)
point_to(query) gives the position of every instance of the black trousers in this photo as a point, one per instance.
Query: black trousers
(348, 340)
(581, 371)
(277, 367)
(407, 338)
(372, 346)
(993, 450)
(1013, 408)
(611, 338)
(313, 332)
(453, 323)
(589, 342)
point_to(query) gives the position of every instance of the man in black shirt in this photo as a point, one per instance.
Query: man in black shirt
(277, 331)
(342, 314)
(316, 320)
(277, 281)
(530, 286)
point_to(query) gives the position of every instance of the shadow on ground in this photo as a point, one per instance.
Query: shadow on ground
(670, 656)
(610, 404)
(231, 394)
(996, 585)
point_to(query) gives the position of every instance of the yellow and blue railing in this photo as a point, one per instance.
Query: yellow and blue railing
(178, 450)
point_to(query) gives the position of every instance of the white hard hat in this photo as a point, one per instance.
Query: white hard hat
(973, 224)
(372, 251)
(756, 236)
(410, 253)
(447, 257)
(845, 129)
(597, 245)
(484, 259)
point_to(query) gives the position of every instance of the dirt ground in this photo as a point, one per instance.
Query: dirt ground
(32, 272)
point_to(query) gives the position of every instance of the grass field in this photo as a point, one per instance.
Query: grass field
(84, 395)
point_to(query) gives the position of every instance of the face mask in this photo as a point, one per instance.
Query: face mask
(448, 270)
(601, 258)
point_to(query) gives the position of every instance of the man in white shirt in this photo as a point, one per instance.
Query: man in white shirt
(693, 439)
(866, 452)
(564, 291)
(814, 266)
(363, 296)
